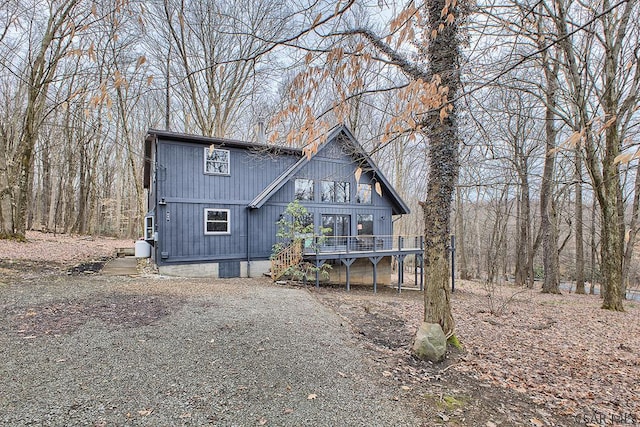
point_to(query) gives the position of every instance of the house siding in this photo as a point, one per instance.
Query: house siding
(188, 191)
(180, 191)
(327, 166)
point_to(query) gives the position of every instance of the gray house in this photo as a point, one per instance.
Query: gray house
(214, 203)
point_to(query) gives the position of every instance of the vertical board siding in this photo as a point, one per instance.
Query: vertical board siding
(331, 168)
(181, 180)
(183, 235)
(189, 191)
(250, 172)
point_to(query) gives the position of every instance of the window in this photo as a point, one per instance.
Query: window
(148, 228)
(343, 193)
(364, 194)
(365, 224)
(335, 192)
(216, 161)
(327, 191)
(216, 221)
(303, 189)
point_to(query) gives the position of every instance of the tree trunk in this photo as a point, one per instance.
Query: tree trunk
(579, 225)
(443, 55)
(461, 245)
(611, 257)
(547, 205)
(47, 185)
(524, 250)
(633, 234)
(592, 285)
(612, 225)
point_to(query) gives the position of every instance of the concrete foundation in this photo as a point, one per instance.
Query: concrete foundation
(210, 269)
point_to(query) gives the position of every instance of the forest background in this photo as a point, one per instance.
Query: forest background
(548, 114)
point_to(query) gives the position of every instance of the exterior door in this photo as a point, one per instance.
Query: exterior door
(336, 228)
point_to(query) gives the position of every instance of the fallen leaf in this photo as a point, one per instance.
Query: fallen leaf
(262, 421)
(343, 375)
(404, 387)
(386, 374)
(490, 424)
(186, 415)
(444, 417)
(145, 412)
(312, 396)
(536, 422)
(287, 411)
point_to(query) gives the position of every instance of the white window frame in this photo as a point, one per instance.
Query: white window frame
(228, 221)
(206, 156)
(149, 227)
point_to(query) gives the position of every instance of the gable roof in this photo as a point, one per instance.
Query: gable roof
(219, 142)
(399, 206)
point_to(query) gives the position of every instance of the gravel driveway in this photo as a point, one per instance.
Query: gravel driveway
(96, 350)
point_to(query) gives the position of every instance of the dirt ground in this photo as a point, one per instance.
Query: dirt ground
(528, 359)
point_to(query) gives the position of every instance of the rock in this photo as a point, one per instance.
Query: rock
(430, 343)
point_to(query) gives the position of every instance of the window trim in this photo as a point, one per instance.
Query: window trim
(228, 221)
(206, 155)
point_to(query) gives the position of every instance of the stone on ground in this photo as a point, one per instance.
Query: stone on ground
(430, 343)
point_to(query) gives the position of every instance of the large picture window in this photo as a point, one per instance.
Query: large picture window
(364, 194)
(216, 161)
(334, 192)
(304, 189)
(216, 221)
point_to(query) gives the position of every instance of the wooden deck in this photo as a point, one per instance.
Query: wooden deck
(348, 249)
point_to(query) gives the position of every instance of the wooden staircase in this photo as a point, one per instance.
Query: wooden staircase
(286, 258)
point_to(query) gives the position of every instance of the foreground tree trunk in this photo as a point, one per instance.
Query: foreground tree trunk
(443, 55)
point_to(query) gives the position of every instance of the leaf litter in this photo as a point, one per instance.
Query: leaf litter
(546, 360)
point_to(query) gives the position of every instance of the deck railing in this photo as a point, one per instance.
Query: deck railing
(369, 243)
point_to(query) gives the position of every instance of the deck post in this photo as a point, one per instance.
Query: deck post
(453, 263)
(347, 263)
(375, 260)
(421, 258)
(400, 270)
(422, 263)
(319, 263)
